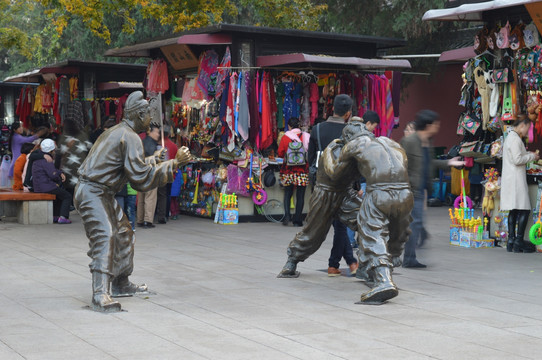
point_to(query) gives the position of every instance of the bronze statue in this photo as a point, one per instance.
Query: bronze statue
(116, 158)
(384, 216)
(331, 198)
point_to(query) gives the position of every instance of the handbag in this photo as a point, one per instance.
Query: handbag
(460, 129)
(471, 149)
(486, 157)
(494, 124)
(471, 124)
(313, 168)
(503, 75)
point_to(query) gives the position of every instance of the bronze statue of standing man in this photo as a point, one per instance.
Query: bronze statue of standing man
(117, 158)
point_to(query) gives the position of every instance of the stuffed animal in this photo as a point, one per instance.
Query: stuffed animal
(491, 187)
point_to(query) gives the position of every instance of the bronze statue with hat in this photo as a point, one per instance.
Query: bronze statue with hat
(117, 158)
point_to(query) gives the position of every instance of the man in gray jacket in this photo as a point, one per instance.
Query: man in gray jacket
(421, 163)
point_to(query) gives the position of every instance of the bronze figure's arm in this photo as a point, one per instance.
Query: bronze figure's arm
(336, 165)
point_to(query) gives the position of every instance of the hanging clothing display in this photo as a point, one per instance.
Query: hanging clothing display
(157, 76)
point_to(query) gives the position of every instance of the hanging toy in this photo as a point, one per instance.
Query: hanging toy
(535, 233)
(491, 186)
(464, 201)
(260, 195)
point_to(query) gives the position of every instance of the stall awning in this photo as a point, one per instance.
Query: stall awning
(462, 54)
(277, 60)
(114, 85)
(205, 39)
(472, 12)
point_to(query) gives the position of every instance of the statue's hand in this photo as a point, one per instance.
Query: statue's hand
(183, 156)
(337, 143)
(160, 155)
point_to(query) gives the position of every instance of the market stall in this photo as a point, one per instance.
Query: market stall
(230, 91)
(502, 79)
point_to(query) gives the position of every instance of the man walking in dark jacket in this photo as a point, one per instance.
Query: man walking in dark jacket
(421, 163)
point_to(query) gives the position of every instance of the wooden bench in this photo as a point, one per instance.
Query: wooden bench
(27, 207)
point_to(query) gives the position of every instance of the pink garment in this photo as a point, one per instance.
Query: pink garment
(207, 67)
(294, 135)
(229, 111)
(267, 125)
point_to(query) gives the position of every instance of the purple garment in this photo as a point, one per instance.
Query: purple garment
(45, 177)
(16, 144)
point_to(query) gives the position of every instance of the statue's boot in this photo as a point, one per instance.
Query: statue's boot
(396, 261)
(122, 287)
(364, 275)
(101, 300)
(383, 288)
(289, 269)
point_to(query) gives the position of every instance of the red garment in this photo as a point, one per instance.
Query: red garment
(285, 169)
(267, 126)
(171, 148)
(157, 76)
(56, 112)
(25, 106)
(120, 107)
(106, 104)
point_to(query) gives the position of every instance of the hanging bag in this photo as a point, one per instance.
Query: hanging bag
(4, 171)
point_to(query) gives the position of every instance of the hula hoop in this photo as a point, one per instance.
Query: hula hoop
(259, 197)
(457, 202)
(534, 234)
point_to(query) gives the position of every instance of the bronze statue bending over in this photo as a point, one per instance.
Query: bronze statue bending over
(116, 158)
(331, 198)
(384, 216)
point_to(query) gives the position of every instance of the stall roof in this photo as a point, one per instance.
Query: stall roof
(276, 60)
(72, 67)
(457, 55)
(472, 12)
(144, 49)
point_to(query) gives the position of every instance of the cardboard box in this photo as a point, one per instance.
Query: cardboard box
(454, 235)
(231, 217)
(465, 239)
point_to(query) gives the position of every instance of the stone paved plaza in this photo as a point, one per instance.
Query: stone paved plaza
(217, 297)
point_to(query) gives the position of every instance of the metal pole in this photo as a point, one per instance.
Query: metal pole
(161, 118)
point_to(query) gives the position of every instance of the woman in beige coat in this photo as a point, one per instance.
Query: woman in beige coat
(514, 191)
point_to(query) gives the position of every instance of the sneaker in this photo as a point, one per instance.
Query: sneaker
(55, 219)
(331, 271)
(63, 220)
(353, 268)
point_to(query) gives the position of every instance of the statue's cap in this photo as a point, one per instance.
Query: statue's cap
(135, 101)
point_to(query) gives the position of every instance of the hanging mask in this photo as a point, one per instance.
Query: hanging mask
(491, 39)
(503, 37)
(480, 41)
(516, 37)
(530, 35)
